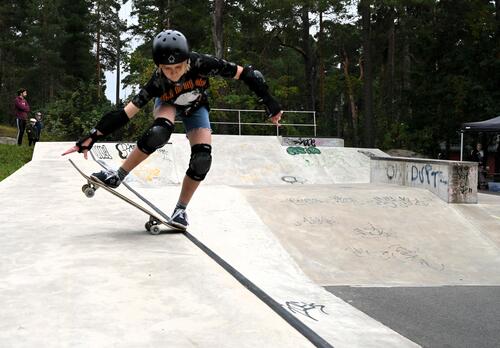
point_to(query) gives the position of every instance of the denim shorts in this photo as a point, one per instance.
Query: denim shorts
(198, 119)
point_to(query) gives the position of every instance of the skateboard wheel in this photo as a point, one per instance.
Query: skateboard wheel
(155, 230)
(88, 190)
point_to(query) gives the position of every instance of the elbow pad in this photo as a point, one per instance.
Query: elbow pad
(255, 81)
(257, 84)
(112, 121)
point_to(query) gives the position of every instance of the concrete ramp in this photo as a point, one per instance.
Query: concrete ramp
(228, 225)
(381, 235)
(84, 273)
(289, 219)
(237, 160)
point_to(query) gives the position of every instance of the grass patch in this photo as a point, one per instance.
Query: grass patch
(7, 131)
(13, 157)
(11, 132)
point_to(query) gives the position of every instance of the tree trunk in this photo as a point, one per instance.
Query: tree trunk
(165, 21)
(51, 88)
(218, 27)
(497, 16)
(98, 52)
(308, 57)
(2, 71)
(352, 101)
(118, 53)
(406, 111)
(391, 44)
(321, 66)
(368, 132)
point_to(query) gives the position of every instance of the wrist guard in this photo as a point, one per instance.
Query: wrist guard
(112, 121)
(257, 84)
(93, 136)
(272, 106)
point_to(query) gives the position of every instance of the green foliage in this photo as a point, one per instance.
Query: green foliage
(76, 42)
(12, 158)
(435, 63)
(75, 112)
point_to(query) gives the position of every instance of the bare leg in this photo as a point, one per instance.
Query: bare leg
(189, 186)
(134, 159)
(137, 156)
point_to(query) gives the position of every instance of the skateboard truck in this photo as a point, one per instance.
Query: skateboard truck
(152, 226)
(89, 189)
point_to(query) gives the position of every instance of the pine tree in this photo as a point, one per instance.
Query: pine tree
(76, 43)
(108, 28)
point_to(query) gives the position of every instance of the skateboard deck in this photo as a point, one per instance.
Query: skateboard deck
(152, 226)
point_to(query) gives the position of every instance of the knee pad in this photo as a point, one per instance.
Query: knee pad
(201, 160)
(156, 136)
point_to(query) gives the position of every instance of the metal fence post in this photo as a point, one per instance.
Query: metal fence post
(239, 122)
(314, 115)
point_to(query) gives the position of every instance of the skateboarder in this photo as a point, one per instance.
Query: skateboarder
(179, 87)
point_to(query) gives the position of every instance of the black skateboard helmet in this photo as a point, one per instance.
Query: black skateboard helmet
(170, 47)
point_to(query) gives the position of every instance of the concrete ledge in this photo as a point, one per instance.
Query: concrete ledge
(452, 181)
(311, 141)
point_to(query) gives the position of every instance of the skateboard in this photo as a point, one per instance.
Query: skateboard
(152, 226)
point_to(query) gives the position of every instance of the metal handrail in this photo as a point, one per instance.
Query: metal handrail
(239, 123)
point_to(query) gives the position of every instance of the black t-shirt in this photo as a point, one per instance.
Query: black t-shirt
(191, 88)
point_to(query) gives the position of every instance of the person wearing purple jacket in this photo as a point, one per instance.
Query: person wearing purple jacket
(21, 109)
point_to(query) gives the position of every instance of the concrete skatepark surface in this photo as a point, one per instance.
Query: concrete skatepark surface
(292, 220)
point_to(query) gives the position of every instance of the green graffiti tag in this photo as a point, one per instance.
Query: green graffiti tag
(298, 150)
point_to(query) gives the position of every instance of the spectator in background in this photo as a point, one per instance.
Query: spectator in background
(39, 124)
(32, 132)
(21, 110)
(478, 155)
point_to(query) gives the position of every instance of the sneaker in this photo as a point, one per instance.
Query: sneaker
(109, 178)
(179, 219)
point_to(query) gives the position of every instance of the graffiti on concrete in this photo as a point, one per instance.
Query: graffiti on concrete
(315, 221)
(452, 182)
(101, 152)
(297, 150)
(305, 309)
(401, 253)
(426, 175)
(398, 253)
(343, 200)
(124, 149)
(293, 179)
(400, 202)
(304, 142)
(461, 178)
(372, 231)
(311, 141)
(306, 201)
(392, 171)
(359, 252)
(393, 202)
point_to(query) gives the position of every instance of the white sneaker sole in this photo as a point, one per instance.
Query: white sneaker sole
(177, 225)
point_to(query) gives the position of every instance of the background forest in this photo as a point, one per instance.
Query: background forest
(379, 73)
